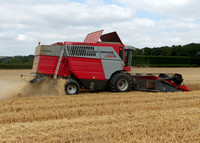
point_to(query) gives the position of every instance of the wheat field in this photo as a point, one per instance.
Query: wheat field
(42, 113)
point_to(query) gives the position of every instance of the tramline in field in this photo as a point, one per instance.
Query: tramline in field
(98, 65)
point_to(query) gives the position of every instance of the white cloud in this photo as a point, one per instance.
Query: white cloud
(23, 23)
(52, 21)
(172, 8)
(151, 33)
(21, 37)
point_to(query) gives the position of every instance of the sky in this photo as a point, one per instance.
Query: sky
(140, 23)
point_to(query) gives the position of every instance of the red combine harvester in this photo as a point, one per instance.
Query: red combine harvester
(98, 66)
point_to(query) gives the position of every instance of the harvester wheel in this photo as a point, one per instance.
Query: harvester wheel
(162, 75)
(71, 87)
(178, 79)
(121, 82)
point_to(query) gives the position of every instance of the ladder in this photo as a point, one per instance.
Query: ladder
(59, 61)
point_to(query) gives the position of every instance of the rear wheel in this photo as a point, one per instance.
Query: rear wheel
(121, 82)
(71, 87)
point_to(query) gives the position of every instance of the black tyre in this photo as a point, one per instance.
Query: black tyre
(72, 87)
(177, 79)
(121, 82)
(162, 75)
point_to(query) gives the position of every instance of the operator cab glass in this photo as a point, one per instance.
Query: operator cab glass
(128, 57)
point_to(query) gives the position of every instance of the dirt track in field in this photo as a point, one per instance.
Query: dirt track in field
(44, 114)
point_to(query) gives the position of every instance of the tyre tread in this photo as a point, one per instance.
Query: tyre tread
(74, 82)
(115, 77)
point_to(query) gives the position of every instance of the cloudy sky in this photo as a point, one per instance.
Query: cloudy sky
(140, 23)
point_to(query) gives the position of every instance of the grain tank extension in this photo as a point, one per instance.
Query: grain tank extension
(97, 65)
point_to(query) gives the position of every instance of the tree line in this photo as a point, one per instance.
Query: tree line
(191, 50)
(17, 62)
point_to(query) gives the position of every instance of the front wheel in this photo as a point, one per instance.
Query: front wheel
(121, 82)
(71, 87)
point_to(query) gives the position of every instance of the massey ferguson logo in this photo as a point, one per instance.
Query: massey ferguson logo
(109, 56)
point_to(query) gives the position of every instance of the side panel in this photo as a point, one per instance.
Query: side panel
(47, 64)
(35, 64)
(48, 50)
(110, 60)
(86, 68)
(110, 67)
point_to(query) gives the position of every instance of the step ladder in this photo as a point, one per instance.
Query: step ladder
(59, 61)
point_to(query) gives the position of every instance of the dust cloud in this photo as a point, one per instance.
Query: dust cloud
(47, 87)
(10, 88)
(13, 88)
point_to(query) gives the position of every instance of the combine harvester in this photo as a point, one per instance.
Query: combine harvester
(98, 65)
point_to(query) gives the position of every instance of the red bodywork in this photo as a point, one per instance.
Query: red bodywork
(82, 68)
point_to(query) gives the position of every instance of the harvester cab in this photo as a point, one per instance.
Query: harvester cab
(95, 65)
(128, 55)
